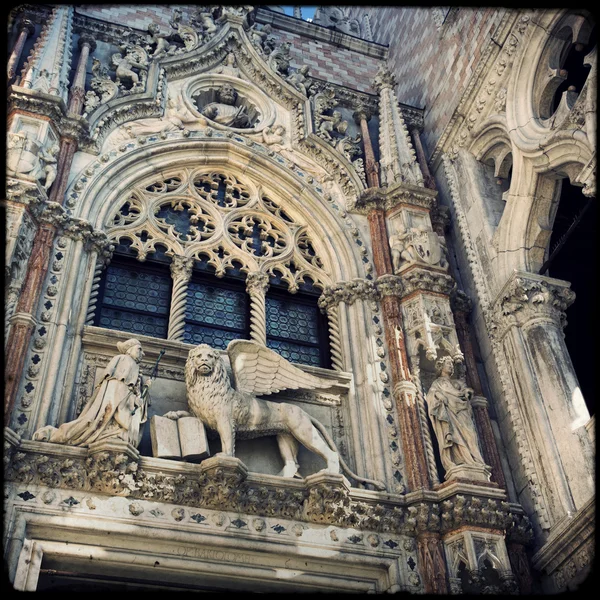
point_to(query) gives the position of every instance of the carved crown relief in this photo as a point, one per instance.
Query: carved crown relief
(214, 216)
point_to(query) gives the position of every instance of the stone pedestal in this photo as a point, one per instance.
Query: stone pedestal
(469, 473)
(116, 446)
(227, 464)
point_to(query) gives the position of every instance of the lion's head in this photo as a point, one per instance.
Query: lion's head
(204, 361)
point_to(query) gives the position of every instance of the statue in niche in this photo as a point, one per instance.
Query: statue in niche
(449, 408)
(402, 248)
(117, 409)
(257, 370)
(332, 123)
(224, 111)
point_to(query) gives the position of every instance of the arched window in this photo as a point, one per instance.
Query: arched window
(186, 244)
(296, 328)
(135, 296)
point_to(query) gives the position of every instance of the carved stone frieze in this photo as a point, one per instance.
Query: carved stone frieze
(391, 196)
(527, 296)
(224, 483)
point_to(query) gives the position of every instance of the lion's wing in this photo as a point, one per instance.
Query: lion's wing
(261, 371)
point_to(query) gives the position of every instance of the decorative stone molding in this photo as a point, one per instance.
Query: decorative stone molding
(393, 195)
(390, 285)
(224, 483)
(427, 280)
(526, 297)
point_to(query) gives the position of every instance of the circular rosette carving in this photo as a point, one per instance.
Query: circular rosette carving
(184, 220)
(223, 190)
(257, 236)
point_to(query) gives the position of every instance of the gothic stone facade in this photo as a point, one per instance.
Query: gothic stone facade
(203, 174)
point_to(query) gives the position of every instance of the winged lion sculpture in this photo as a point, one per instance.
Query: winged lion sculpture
(237, 412)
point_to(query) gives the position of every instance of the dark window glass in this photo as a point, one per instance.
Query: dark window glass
(296, 329)
(135, 297)
(216, 312)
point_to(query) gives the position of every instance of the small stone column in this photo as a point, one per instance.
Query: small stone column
(257, 284)
(362, 117)
(102, 261)
(427, 177)
(26, 28)
(430, 550)
(87, 45)
(335, 341)
(181, 271)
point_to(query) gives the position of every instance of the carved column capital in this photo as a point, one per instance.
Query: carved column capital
(27, 25)
(390, 285)
(181, 267)
(348, 292)
(384, 79)
(427, 280)
(85, 38)
(527, 297)
(362, 113)
(257, 282)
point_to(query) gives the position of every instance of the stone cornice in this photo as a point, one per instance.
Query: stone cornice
(389, 197)
(427, 280)
(50, 106)
(526, 297)
(323, 34)
(224, 483)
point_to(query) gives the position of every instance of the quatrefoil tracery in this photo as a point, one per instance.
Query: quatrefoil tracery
(220, 220)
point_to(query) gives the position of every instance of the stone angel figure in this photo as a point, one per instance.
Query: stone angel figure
(115, 411)
(236, 412)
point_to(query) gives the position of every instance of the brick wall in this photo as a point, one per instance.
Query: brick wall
(328, 62)
(433, 66)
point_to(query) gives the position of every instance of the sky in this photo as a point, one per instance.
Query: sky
(307, 12)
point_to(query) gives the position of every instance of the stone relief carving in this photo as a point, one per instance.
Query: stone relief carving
(225, 112)
(279, 59)
(229, 67)
(26, 156)
(262, 38)
(131, 67)
(417, 244)
(238, 413)
(450, 412)
(299, 79)
(117, 409)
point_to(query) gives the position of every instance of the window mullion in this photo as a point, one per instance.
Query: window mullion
(257, 284)
(181, 272)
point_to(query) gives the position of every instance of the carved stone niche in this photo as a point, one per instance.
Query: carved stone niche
(414, 242)
(229, 103)
(32, 148)
(168, 393)
(478, 563)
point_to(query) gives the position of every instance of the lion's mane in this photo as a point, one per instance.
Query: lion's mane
(211, 397)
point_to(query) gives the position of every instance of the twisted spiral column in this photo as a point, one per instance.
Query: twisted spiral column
(181, 271)
(335, 342)
(416, 374)
(257, 284)
(102, 261)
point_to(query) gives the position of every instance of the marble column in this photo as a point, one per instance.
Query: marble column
(26, 28)
(335, 342)
(86, 45)
(405, 391)
(529, 330)
(181, 271)
(427, 177)
(257, 284)
(23, 322)
(362, 117)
